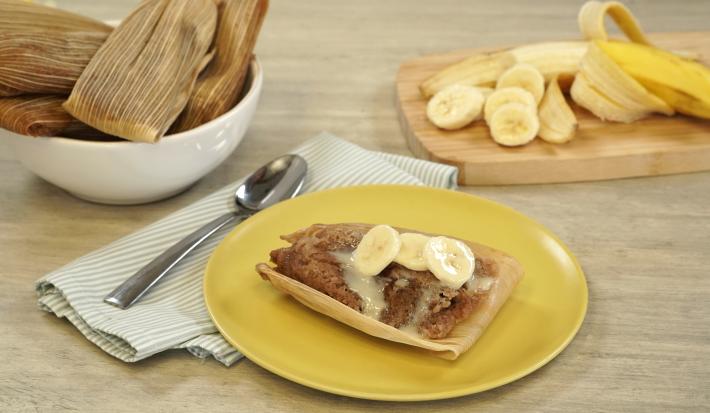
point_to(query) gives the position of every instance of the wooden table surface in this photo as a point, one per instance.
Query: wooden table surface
(643, 243)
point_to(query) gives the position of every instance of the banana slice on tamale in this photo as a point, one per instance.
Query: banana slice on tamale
(17, 15)
(219, 87)
(44, 62)
(140, 79)
(43, 116)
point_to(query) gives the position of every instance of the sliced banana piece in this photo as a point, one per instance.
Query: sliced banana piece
(507, 95)
(455, 106)
(557, 121)
(378, 247)
(450, 260)
(525, 76)
(411, 251)
(514, 124)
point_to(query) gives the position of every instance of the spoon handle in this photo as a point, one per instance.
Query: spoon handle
(131, 290)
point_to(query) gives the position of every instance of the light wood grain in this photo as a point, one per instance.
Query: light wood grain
(657, 145)
(643, 243)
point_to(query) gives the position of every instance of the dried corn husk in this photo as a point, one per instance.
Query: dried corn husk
(219, 87)
(460, 339)
(44, 62)
(17, 15)
(43, 116)
(142, 76)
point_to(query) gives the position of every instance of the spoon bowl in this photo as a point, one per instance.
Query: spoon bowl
(280, 179)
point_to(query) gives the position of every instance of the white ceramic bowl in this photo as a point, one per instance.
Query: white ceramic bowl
(133, 173)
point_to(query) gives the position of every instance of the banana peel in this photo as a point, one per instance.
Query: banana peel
(681, 83)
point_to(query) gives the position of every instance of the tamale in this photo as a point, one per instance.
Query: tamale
(43, 116)
(44, 62)
(17, 15)
(219, 87)
(140, 79)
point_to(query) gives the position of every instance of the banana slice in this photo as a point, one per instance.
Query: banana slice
(507, 95)
(450, 260)
(411, 252)
(525, 76)
(455, 107)
(514, 124)
(557, 121)
(378, 247)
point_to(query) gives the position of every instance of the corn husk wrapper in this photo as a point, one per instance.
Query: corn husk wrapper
(18, 15)
(219, 87)
(44, 62)
(460, 339)
(142, 76)
(43, 116)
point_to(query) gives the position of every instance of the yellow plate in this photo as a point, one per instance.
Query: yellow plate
(279, 334)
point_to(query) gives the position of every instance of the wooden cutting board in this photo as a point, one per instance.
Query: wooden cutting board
(601, 150)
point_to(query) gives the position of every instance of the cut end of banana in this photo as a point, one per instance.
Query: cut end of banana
(525, 76)
(506, 95)
(411, 251)
(450, 260)
(514, 124)
(455, 107)
(377, 249)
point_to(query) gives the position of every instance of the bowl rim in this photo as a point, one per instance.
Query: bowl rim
(257, 73)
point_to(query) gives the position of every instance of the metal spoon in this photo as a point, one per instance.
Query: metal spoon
(279, 179)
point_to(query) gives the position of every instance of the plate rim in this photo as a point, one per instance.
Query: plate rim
(438, 395)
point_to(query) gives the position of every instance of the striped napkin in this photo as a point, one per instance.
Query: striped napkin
(173, 315)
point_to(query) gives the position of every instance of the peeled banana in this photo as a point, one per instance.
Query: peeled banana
(450, 260)
(455, 106)
(553, 59)
(557, 121)
(376, 250)
(411, 251)
(550, 58)
(477, 70)
(525, 76)
(514, 124)
(507, 95)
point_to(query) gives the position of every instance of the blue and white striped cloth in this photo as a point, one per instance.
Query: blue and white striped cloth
(173, 315)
